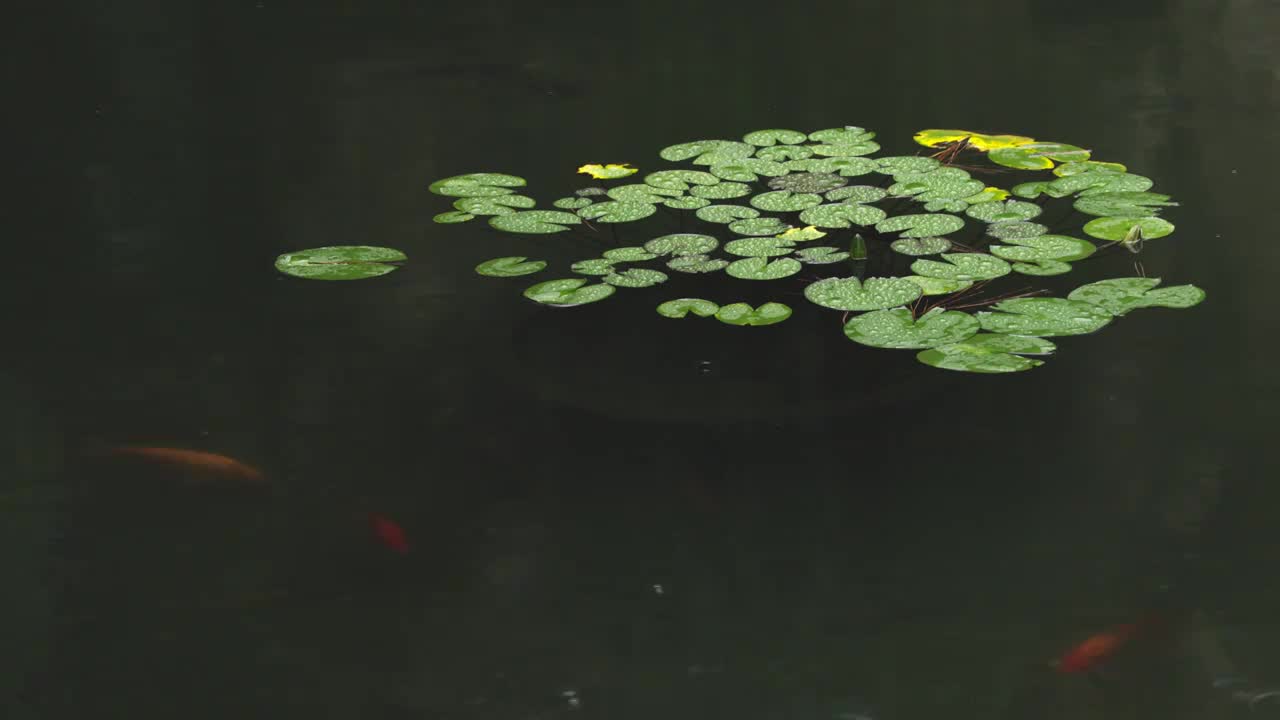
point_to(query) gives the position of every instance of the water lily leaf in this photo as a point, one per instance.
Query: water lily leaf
(686, 203)
(843, 166)
(821, 255)
(802, 234)
(1042, 267)
(988, 353)
(980, 141)
(723, 191)
(765, 138)
(758, 226)
(617, 211)
(453, 216)
(759, 247)
(841, 136)
(476, 185)
(944, 183)
(742, 314)
(510, 266)
(707, 152)
(726, 213)
(1037, 155)
(1120, 295)
(906, 165)
(896, 329)
(1008, 211)
(1016, 230)
(938, 286)
(683, 306)
(1043, 317)
(841, 215)
(679, 179)
(784, 153)
(921, 226)
(746, 169)
(921, 246)
(988, 194)
(1044, 247)
(589, 191)
(808, 182)
(636, 278)
(682, 244)
(641, 194)
(956, 205)
(758, 268)
(572, 203)
(493, 204)
(785, 201)
(1096, 183)
(845, 149)
(1117, 228)
(340, 262)
(1122, 204)
(594, 266)
(854, 294)
(1075, 168)
(1032, 190)
(696, 264)
(612, 171)
(568, 292)
(537, 222)
(858, 194)
(962, 266)
(628, 254)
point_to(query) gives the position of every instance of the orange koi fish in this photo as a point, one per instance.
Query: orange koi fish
(1100, 647)
(197, 459)
(389, 533)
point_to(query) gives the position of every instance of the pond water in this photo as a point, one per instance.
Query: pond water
(611, 514)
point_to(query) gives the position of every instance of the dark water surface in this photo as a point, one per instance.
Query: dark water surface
(612, 515)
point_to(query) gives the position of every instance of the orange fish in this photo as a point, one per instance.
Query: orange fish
(198, 459)
(389, 533)
(1096, 649)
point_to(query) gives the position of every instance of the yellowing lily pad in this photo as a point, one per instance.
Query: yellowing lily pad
(611, 171)
(981, 141)
(802, 234)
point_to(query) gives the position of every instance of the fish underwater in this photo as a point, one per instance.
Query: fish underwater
(206, 463)
(389, 532)
(1100, 647)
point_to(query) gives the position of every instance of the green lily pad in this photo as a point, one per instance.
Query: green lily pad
(938, 286)
(758, 226)
(844, 166)
(841, 215)
(1037, 155)
(453, 216)
(476, 185)
(758, 268)
(636, 278)
(1007, 211)
(962, 266)
(1120, 295)
(679, 179)
(845, 149)
(747, 169)
(1016, 230)
(493, 205)
(896, 329)
(686, 203)
(628, 254)
(842, 135)
(944, 183)
(784, 153)
(1123, 204)
(920, 246)
(759, 247)
(1117, 228)
(617, 211)
(988, 353)
(723, 191)
(764, 138)
(1042, 267)
(682, 244)
(707, 152)
(638, 193)
(1097, 183)
(683, 306)
(785, 201)
(510, 266)
(1044, 317)
(808, 182)
(920, 226)
(1044, 247)
(568, 292)
(854, 294)
(726, 213)
(536, 222)
(1032, 190)
(743, 314)
(590, 192)
(857, 194)
(594, 266)
(1075, 168)
(340, 262)
(821, 255)
(572, 203)
(906, 165)
(696, 264)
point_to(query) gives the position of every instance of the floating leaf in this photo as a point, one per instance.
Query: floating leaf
(682, 244)
(1034, 190)
(841, 136)
(988, 194)
(906, 165)
(945, 183)
(683, 306)
(808, 182)
(1120, 295)
(844, 166)
(641, 193)
(759, 247)
(784, 153)
(568, 292)
(1117, 228)
(845, 149)
(758, 268)
(679, 179)
(938, 286)
(340, 262)
(628, 254)
(696, 264)
(765, 138)
(1009, 211)
(686, 203)
(1016, 230)
(785, 201)
(962, 266)
(1042, 267)
(493, 205)
(987, 353)
(1044, 247)
(921, 226)
(821, 255)
(746, 169)
(854, 294)
(1037, 155)
(453, 216)
(1096, 183)
(572, 203)
(742, 314)
(510, 266)
(535, 221)
(758, 226)
(723, 191)
(1043, 317)
(726, 213)
(589, 191)
(611, 171)
(841, 215)
(617, 211)
(921, 246)
(858, 194)
(707, 152)
(476, 185)
(1123, 204)
(1075, 168)
(636, 278)
(595, 266)
(896, 329)
(981, 141)
(802, 234)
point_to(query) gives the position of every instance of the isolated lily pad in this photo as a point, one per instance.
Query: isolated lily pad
(594, 266)
(921, 226)
(1008, 211)
(743, 314)
(920, 246)
(1016, 230)
(785, 201)
(1120, 295)
(759, 247)
(452, 216)
(628, 254)
(707, 152)
(897, 329)
(477, 185)
(758, 268)
(340, 262)
(1116, 228)
(696, 264)
(841, 215)
(1123, 204)
(758, 226)
(510, 266)
(1043, 317)
(726, 214)
(854, 294)
(821, 255)
(636, 278)
(493, 204)
(938, 286)
(1044, 247)
(764, 138)
(572, 203)
(988, 353)
(679, 179)
(612, 171)
(722, 191)
(962, 266)
(682, 244)
(617, 211)
(568, 292)
(538, 222)
(683, 306)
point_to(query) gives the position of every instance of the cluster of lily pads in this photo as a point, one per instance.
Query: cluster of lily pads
(765, 201)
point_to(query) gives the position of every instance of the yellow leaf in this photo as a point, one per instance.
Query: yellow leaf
(981, 141)
(988, 194)
(611, 171)
(809, 232)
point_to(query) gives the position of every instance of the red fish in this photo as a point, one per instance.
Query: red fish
(389, 533)
(197, 459)
(1096, 650)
